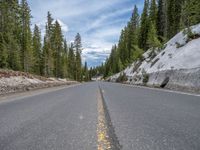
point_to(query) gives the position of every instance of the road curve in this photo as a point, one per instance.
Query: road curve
(86, 116)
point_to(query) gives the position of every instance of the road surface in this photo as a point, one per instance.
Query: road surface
(100, 116)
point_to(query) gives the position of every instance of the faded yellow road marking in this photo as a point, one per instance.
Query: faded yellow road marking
(102, 129)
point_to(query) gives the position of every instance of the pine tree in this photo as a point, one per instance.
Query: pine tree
(47, 50)
(65, 60)
(57, 47)
(9, 32)
(191, 13)
(78, 51)
(123, 47)
(16, 49)
(27, 54)
(113, 56)
(3, 53)
(71, 62)
(86, 73)
(144, 27)
(152, 39)
(170, 18)
(14, 54)
(133, 33)
(161, 20)
(119, 65)
(153, 12)
(45, 54)
(107, 68)
(37, 51)
(3, 48)
(174, 8)
(177, 16)
(1, 16)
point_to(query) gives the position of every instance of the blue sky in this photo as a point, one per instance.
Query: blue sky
(98, 21)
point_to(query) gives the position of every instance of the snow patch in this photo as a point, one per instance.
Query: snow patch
(11, 81)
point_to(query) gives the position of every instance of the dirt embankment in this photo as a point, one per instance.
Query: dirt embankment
(16, 81)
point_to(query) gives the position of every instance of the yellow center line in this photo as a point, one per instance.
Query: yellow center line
(102, 129)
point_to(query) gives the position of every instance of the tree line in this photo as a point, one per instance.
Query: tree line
(22, 49)
(159, 22)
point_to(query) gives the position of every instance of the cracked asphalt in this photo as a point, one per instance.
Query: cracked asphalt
(68, 118)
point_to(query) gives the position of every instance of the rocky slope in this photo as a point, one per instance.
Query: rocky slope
(176, 65)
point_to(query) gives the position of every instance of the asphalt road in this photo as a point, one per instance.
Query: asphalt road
(73, 119)
(59, 120)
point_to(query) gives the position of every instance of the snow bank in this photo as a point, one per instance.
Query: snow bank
(176, 63)
(11, 81)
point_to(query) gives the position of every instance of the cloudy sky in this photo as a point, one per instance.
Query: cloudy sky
(98, 21)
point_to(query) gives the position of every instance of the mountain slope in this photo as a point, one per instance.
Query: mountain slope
(175, 66)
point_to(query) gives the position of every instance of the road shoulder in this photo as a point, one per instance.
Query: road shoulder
(25, 94)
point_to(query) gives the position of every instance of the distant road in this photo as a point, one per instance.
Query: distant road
(100, 115)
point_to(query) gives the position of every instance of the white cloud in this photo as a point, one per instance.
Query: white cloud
(108, 32)
(98, 22)
(63, 26)
(104, 18)
(72, 8)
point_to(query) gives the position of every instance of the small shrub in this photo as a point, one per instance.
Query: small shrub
(193, 36)
(164, 46)
(122, 78)
(190, 35)
(145, 77)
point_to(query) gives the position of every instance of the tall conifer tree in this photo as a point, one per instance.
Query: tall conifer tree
(78, 52)
(144, 27)
(161, 20)
(37, 51)
(26, 48)
(57, 47)
(47, 50)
